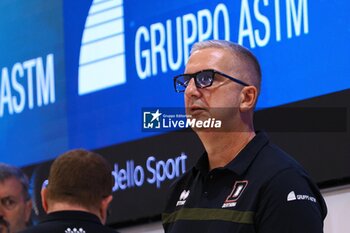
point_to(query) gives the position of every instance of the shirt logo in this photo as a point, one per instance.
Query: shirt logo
(236, 192)
(293, 197)
(74, 230)
(183, 196)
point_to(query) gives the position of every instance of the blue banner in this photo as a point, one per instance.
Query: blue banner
(33, 115)
(78, 73)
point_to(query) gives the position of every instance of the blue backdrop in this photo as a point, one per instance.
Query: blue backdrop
(78, 73)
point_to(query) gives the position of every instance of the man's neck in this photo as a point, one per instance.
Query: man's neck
(60, 206)
(223, 147)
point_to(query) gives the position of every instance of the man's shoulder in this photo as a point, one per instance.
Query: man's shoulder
(273, 168)
(272, 159)
(281, 175)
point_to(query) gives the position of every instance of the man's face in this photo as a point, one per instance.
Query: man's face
(14, 208)
(222, 99)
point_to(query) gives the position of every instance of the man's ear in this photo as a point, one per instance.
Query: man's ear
(249, 97)
(104, 207)
(44, 199)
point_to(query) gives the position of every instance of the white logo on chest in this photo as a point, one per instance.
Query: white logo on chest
(183, 196)
(236, 192)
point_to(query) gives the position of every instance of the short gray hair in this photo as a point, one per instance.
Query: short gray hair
(7, 171)
(237, 50)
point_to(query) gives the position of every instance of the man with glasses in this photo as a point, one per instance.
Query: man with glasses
(242, 183)
(15, 202)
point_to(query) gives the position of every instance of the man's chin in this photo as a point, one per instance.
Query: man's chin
(199, 114)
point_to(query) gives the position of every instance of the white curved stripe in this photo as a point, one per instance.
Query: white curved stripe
(105, 5)
(106, 16)
(102, 52)
(102, 49)
(101, 75)
(103, 30)
(98, 1)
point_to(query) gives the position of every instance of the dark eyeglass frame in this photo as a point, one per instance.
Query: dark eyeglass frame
(198, 85)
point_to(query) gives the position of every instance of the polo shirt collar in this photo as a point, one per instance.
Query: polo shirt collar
(242, 161)
(71, 215)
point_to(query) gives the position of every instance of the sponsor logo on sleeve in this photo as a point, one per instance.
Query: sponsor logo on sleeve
(293, 197)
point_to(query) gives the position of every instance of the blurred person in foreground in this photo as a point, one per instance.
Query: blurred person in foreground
(242, 183)
(78, 194)
(15, 202)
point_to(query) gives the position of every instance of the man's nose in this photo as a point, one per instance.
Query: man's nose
(192, 89)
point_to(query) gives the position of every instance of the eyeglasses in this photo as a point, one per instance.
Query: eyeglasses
(9, 202)
(202, 79)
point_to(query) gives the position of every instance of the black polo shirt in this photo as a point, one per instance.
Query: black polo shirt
(70, 222)
(262, 190)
